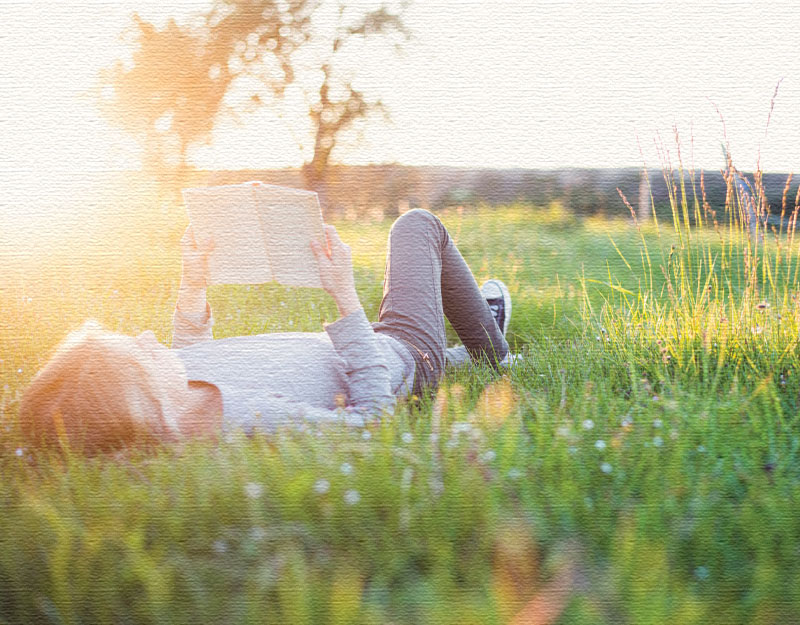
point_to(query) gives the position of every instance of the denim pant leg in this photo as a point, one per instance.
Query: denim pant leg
(426, 279)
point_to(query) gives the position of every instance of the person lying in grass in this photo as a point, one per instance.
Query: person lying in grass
(103, 391)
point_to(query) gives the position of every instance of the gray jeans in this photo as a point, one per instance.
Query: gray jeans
(426, 279)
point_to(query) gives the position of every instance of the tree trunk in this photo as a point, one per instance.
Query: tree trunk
(315, 180)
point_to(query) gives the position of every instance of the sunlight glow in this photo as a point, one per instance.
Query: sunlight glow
(518, 84)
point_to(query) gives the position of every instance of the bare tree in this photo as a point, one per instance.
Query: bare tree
(174, 89)
(331, 114)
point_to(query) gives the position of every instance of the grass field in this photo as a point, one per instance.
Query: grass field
(640, 466)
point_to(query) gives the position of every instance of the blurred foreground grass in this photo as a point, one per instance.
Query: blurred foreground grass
(648, 444)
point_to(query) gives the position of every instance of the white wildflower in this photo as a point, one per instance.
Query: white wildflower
(658, 441)
(253, 490)
(701, 573)
(322, 486)
(366, 435)
(588, 424)
(407, 438)
(352, 497)
(600, 444)
(461, 427)
(346, 468)
(606, 467)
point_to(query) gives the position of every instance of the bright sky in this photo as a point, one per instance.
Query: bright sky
(484, 83)
(509, 83)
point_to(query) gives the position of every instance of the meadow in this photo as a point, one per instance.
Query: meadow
(639, 465)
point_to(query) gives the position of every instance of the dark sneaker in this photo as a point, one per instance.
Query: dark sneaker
(499, 300)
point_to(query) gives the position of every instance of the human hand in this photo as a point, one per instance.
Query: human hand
(336, 271)
(195, 260)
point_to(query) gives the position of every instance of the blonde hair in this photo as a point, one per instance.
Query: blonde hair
(94, 395)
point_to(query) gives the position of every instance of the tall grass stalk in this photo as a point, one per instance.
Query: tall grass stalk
(729, 293)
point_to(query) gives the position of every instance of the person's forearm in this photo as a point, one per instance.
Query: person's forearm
(192, 301)
(347, 302)
(191, 321)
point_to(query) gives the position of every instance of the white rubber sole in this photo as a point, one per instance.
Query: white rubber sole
(488, 292)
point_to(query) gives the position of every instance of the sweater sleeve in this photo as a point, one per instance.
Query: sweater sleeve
(187, 330)
(257, 413)
(369, 387)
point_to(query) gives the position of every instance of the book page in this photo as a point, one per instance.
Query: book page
(227, 214)
(291, 219)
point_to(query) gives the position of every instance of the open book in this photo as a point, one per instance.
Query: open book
(261, 232)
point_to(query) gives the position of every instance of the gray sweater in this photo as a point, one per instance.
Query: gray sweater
(348, 374)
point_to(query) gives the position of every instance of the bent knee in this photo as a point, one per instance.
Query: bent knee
(417, 218)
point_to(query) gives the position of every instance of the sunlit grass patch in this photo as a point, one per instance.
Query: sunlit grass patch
(643, 454)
